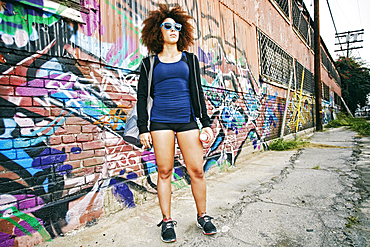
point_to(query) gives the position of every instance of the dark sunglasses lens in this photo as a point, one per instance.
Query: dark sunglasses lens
(167, 26)
(178, 27)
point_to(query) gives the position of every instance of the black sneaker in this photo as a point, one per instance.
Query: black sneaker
(168, 231)
(206, 225)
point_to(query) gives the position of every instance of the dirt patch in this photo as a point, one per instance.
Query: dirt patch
(320, 145)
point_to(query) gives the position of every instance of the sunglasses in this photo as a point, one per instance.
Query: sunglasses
(169, 25)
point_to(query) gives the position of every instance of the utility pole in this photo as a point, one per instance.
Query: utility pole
(318, 89)
(350, 38)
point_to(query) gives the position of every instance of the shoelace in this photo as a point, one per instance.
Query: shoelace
(171, 221)
(206, 218)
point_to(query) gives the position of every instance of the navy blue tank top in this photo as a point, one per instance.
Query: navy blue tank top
(171, 103)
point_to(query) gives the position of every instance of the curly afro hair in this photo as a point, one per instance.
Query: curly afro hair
(151, 35)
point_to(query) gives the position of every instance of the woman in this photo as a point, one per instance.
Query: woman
(175, 87)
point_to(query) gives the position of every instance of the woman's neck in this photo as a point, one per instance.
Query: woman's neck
(169, 50)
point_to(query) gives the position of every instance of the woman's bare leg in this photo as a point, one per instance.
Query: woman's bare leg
(192, 151)
(164, 149)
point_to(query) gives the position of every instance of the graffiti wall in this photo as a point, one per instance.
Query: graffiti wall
(67, 85)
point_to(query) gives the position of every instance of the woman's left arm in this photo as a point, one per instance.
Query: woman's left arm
(205, 120)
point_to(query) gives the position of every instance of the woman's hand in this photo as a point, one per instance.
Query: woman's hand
(146, 139)
(209, 131)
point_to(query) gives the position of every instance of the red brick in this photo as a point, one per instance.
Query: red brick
(36, 103)
(127, 103)
(83, 63)
(55, 140)
(115, 96)
(129, 97)
(2, 169)
(94, 161)
(17, 80)
(6, 90)
(82, 155)
(56, 111)
(38, 110)
(76, 121)
(78, 172)
(84, 137)
(99, 152)
(21, 181)
(84, 70)
(73, 129)
(75, 164)
(90, 170)
(134, 166)
(68, 139)
(4, 80)
(93, 145)
(20, 101)
(89, 128)
(20, 70)
(61, 131)
(9, 175)
(109, 89)
(97, 136)
(68, 147)
(99, 168)
(120, 149)
(111, 142)
(116, 172)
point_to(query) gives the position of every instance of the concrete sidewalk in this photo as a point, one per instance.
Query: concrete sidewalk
(290, 198)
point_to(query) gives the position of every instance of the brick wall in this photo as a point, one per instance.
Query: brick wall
(66, 89)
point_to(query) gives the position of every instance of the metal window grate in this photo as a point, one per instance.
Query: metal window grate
(284, 6)
(337, 100)
(74, 4)
(300, 22)
(308, 80)
(326, 92)
(312, 39)
(275, 63)
(330, 67)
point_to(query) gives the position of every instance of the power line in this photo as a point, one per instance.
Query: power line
(343, 14)
(331, 14)
(359, 13)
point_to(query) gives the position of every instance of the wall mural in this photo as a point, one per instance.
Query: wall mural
(66, 89)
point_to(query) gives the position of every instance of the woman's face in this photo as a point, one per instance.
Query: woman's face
(170, 36)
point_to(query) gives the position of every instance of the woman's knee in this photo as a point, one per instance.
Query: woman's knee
(164, 173)
(196, 172)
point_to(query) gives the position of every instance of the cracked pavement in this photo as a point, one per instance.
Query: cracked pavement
(316, 196)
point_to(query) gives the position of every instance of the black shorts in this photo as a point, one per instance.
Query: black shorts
(176, 127)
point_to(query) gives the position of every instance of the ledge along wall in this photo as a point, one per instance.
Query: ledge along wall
(68, 79)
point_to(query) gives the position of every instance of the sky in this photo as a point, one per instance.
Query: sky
(349, 15)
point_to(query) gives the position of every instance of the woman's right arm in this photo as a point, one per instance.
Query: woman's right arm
(142, 96)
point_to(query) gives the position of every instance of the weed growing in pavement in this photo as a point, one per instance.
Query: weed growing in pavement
(360, 125)
(316, 167)
(351, 221)
(282, 145)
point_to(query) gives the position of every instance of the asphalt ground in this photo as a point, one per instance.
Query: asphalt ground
(315, 196)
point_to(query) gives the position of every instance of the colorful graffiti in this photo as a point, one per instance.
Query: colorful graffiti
(300, 113)
(66, 89)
